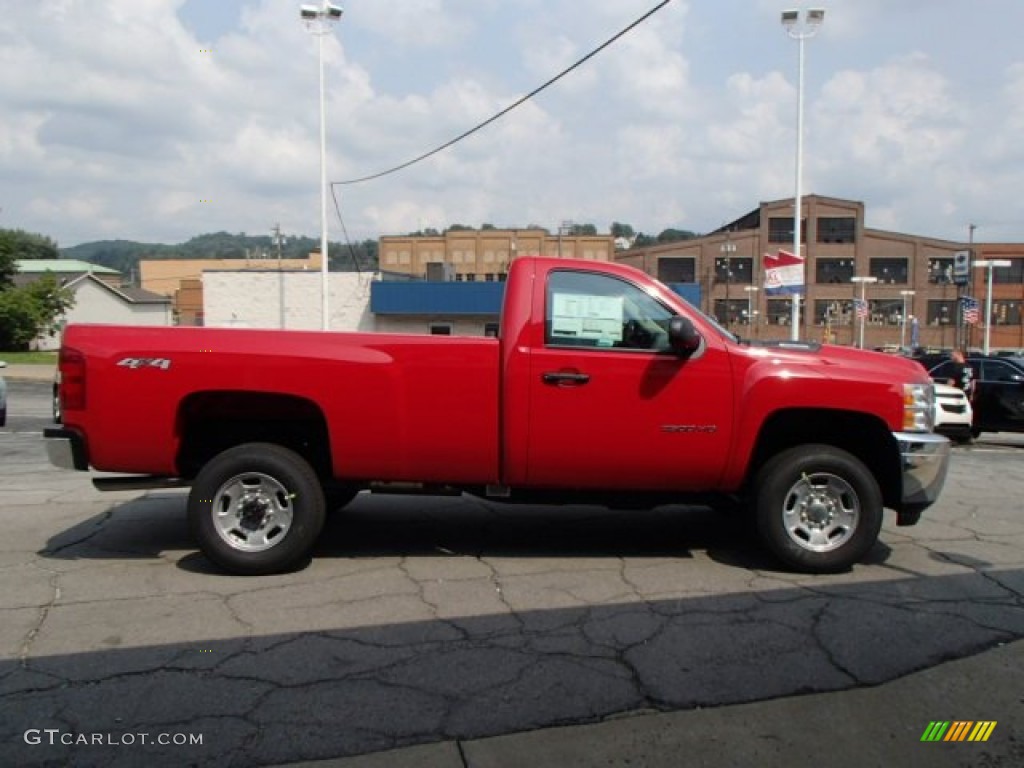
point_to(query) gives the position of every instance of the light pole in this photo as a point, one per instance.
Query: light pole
(800, 30)
(862, 312)
(989, 264)
(903, 318)
(727, 249)
(751, 290)
(319, 19)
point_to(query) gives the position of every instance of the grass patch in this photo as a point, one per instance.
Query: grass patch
(13, 358)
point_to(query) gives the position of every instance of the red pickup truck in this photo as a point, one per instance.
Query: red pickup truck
(604, 386)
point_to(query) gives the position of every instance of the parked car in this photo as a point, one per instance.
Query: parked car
(3, 397)
(998, 400)
(953, 413)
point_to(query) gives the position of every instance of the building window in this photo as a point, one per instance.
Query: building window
(677, 269)
(470, 277)
(940, 271)
(941, 312)
(440, 329)
(731, 311)
(889, 271)
(489, 277)
(779, 311)
(1013, 274)
(1006, 312)
(833, 270)
(885, 311)
(833, 312)
(837, 229)
(780, 229)
(734, 270)
(491, 329)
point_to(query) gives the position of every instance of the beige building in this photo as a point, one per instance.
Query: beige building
(483, 255)
(914, 272)
(181, 279)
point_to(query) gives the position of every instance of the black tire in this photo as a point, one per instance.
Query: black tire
(256, 509)
(818, 508)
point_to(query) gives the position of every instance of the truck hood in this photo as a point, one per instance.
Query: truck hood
(834, 361)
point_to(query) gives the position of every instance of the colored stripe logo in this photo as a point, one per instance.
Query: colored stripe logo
(958, 730)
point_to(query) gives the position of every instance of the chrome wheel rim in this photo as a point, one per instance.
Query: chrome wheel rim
(252, 512)
(821, 512)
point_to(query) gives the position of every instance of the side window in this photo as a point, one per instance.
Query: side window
(943, 372)
(590, 310)
(995, 371)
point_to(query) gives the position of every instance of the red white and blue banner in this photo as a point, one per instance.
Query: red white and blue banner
(783, 274)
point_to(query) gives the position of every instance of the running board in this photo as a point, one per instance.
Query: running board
(138, 483)
(414, 489)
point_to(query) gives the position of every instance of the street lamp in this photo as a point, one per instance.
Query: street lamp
(990, 264)
(727, 249)
(862, 313)
(903, 318)
(751, 290)
(800, 30)
(319, 19)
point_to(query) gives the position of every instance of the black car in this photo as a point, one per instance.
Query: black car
(998, 395)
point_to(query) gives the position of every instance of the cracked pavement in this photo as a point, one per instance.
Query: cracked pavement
(429, 619)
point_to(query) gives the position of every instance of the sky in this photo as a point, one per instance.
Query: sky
(158, 120)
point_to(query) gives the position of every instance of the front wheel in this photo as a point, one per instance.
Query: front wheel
(256, 509)
(818, 508)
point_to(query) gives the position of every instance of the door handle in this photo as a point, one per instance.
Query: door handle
(565, 378)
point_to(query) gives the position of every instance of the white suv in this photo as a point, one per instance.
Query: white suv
(953, 413)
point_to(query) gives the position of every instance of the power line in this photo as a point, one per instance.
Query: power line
(507, 109)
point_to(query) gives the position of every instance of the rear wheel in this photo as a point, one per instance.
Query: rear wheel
(818, 508)
(256, 509)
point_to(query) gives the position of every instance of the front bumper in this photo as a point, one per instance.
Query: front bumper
(65, 448)
(924, 459)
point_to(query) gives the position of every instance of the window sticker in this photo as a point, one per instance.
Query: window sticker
(581, 316)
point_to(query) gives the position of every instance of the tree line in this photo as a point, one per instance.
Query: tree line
(124, 255)
(617, 230)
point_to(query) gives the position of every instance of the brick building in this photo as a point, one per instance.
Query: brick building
(482, 255)
(914, 272)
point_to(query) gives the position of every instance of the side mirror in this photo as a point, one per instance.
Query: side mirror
(683, 338)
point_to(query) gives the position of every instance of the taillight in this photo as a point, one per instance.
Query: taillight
(72, 379)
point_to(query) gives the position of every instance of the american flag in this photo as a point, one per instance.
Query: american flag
(860, 307)
(970, 309)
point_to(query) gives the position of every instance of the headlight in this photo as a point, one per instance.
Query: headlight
(918, 407)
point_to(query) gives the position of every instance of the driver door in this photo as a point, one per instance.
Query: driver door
(611, 406)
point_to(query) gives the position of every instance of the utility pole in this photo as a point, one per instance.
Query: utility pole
(277, 242)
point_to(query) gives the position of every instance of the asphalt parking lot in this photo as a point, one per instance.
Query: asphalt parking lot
(422, 621)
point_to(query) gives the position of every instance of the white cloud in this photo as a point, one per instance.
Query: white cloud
(118, 122)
